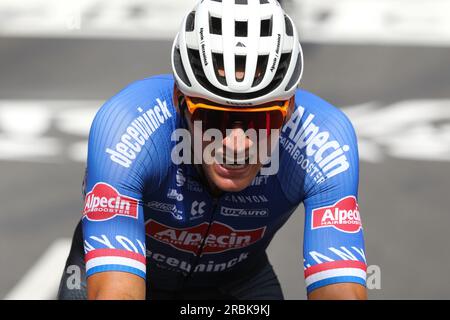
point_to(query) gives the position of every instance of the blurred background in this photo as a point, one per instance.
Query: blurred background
(386, 63)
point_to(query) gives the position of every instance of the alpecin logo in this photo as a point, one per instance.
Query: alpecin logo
(220, 238)
(343, 216)
(104, 202)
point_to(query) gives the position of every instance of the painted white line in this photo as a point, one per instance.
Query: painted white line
(36, 121)
(93, 18)
(77, 152)
(411, 22)
(41, 282)
(414, 130)
(31, 148)
(401, 22)
(394, 130)
(25, 127)
(77, 121)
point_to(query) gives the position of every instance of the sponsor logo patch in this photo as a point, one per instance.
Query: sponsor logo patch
(343, 216)
(165, 207)
(235, 212)
(246, 199)
(197, 209)
(314, 149)
(180, 178)
(174, 195)
(104, 202)
(220, 238)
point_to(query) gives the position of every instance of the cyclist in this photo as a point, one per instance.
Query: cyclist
(158, 227)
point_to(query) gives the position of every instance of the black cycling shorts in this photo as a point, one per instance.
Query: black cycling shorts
(262, 285)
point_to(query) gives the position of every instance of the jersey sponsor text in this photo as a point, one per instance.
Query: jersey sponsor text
(240, 212)
(137, 134)
(104, 202)
(220, 237)
(343, 215)
(311, 148)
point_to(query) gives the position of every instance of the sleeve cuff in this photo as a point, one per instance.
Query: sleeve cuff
(335, 272)
(102, 260)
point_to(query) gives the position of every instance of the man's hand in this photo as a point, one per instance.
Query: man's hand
(113, 285)
(339, 291)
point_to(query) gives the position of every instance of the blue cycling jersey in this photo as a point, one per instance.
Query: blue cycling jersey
(146, 215)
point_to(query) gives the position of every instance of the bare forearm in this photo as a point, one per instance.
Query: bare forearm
(115, 286)
(107, 295)
(339, 291)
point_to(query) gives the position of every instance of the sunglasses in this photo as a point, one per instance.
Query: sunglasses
(214, 116)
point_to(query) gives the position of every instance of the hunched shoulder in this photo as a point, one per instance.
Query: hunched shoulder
(131, 132)
(317, 144)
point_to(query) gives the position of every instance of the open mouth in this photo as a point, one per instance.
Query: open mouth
(235, 163)
(234, 166)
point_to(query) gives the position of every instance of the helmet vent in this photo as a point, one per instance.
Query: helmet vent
(179, 67)
(239, 63)
(240, 2)
(190, 22)
(263, 1)
(215, 25)
(194, 58)
(240, 28)
(218, 65)
(266, 27)
(289, 28)
(261, 67)
(284, 63)
(296, 74)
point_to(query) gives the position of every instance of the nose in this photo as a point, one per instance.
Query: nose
(236, 142)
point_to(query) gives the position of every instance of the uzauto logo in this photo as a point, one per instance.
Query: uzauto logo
(235, 212)
(343, 216)
(220, 238)
(104, 202)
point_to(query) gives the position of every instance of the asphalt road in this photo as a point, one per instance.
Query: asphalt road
(403, 200)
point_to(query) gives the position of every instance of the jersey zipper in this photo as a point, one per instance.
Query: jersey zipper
(215, 202)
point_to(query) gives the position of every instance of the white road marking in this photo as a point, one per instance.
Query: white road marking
(401, 22)
(78, 151)
(32, 149)
(416, 130)
(25, 126)
(93, 18)
(41, 282)
(36, 131)
(35, 123)
(77, 121)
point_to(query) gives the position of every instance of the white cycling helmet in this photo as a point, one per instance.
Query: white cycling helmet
(254, 38)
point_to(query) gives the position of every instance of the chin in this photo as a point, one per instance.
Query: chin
(231, 185)
(229, 181)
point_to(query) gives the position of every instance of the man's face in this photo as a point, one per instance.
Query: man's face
(239, 153)
(227, 176)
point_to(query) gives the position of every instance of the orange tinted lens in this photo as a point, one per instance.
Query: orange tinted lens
(196, 103)
(223, 120)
